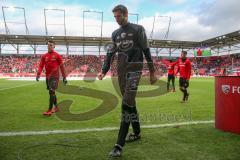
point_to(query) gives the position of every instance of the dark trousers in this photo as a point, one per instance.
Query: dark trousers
(128, 84)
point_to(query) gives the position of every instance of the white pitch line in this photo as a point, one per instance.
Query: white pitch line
(33, 133)
(17, 86)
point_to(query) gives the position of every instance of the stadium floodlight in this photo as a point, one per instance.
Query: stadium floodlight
(13, 9)
(161, 24)
(92, 27)
(134, 14)
(92, 12)
(52, 24)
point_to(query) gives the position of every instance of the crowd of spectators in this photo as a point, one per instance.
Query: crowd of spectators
(80, 64)
(215, 64)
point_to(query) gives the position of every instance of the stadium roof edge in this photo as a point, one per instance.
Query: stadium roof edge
(216, 42)
(228, 39)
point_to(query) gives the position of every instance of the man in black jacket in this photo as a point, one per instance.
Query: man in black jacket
(130, 42)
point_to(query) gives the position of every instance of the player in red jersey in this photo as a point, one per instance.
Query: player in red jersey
(184, 67)
(52, 61)
(171, 76)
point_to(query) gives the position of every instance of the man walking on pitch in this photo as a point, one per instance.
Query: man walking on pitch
(51, 61)
(131, 43)
(184, 68)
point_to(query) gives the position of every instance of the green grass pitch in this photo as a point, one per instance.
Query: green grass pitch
(22, 104)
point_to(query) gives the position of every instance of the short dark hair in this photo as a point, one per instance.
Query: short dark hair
(184, 52)
(50, 41)
(123, 9)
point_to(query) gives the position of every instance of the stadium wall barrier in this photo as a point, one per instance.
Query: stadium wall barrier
(227, 103)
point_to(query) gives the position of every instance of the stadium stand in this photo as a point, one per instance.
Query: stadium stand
(26, 65)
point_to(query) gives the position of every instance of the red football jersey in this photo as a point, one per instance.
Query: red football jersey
(185, 68)
(51, 61)
(170, 66)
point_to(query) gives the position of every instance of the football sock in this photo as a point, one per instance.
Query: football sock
(51, 99)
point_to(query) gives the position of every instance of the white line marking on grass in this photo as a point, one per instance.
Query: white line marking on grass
(32, 133)
(17, 86)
